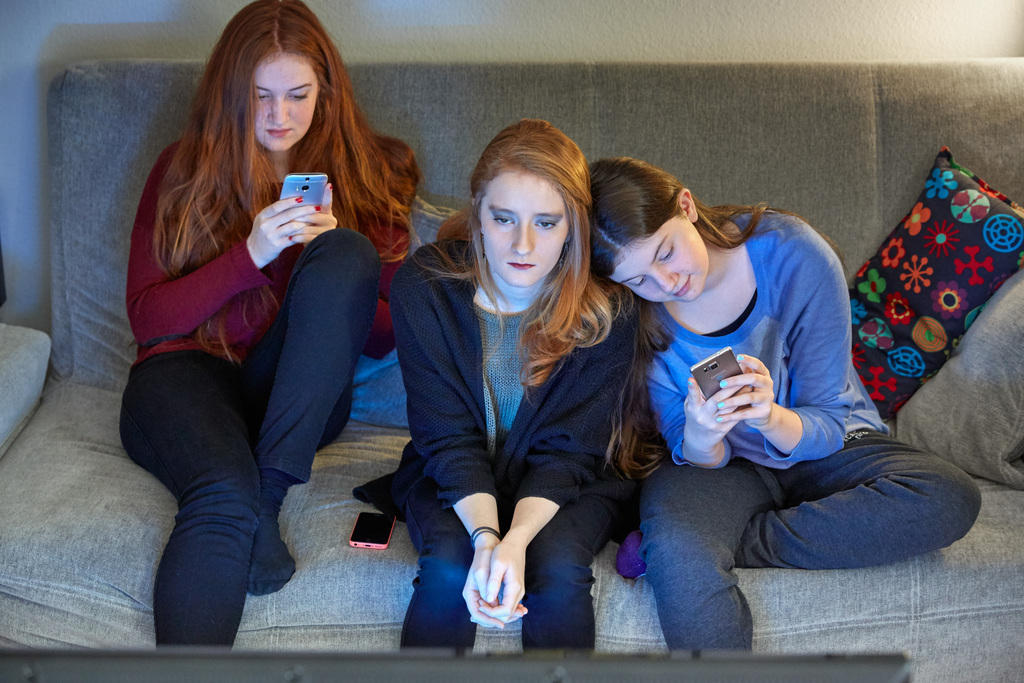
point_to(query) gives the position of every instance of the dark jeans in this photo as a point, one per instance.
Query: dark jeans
(558, 576)
(204, 427)
(875, 501)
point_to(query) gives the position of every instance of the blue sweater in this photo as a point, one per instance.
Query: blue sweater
(800, 330)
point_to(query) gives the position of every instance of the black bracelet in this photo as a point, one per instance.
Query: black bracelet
(473, 535)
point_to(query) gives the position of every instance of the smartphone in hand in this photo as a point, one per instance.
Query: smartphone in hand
(713, 369)
(372, 530)
(310, 186)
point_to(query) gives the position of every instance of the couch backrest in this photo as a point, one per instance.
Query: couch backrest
(845, 145)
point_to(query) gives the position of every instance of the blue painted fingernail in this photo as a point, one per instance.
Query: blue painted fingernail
(723, 384)
(739, 357)
(721, 404)
(718, 419)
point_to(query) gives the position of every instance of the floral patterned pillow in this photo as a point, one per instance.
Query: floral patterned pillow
(915, 298)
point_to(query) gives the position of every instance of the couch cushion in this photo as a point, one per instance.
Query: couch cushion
(82, 528)
(426, 221)
(731, 134)
(78, 522)
(89, 249)
(847, 136)
(972, 411)
(378, 393)
(917, 295)
(24, 355)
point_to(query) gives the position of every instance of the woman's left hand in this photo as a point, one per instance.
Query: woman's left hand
(755, 401)
(316, 223)
(508, 569)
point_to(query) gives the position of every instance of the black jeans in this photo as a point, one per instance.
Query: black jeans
(558, 575)
(204, 426)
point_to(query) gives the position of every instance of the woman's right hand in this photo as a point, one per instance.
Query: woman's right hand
(704, 432)
(476, 582)
(476, 587)
(284, 223)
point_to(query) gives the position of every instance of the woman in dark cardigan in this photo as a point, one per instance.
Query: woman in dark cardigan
(513, 359)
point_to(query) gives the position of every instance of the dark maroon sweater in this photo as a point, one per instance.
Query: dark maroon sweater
(164, 312)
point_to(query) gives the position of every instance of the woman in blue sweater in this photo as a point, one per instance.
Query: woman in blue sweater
(787, 464)
(508, 347)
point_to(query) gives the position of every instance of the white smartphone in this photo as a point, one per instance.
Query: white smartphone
(713, 369)
(310, 186)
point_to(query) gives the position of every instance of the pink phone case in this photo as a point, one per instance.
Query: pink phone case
(364, 541)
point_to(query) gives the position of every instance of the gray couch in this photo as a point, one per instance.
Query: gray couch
(845, 145)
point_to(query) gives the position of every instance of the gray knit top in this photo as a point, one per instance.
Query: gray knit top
(502, 374)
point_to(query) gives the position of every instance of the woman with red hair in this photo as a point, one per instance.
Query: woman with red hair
(510, 353)
(250, 311)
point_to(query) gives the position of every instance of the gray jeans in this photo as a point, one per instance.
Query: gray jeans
(874, 501)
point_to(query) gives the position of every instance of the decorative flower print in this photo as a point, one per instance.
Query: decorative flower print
(972, 316)
(918, 215)
(876, 334)
(858, 355)
(949, 300)
(970, 205)
(916, 275)
(939, 184)
(858, 311)
(941, 238)
(873, 286)
(897, 309)
(893, 252)
(929, 335)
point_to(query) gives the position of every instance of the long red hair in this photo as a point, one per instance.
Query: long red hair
(573, 309)
(220, 176)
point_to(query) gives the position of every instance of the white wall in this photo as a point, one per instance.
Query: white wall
(38, 37)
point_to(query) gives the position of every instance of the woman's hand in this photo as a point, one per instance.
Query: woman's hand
(704, 430)
(287, 222)
(749, 397)
(506, 581)
(484, 576)
(753, 402)
(496, 583)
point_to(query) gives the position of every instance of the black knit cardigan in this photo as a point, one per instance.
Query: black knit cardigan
(555, 448)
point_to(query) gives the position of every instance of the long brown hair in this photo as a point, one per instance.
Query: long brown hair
(220, 176)
(632, 200)
(573, 309)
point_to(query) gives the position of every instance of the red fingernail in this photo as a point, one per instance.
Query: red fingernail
(298, 199)
(330, 186)
(291, 238)
(317, 208)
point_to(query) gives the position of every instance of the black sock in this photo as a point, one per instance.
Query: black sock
(271, 565)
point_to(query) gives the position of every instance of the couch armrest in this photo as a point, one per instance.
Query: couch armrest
(24, 356)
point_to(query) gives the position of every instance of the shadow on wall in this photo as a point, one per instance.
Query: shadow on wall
(3, 288)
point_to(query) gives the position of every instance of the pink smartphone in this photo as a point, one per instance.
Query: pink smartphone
(372, 530)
